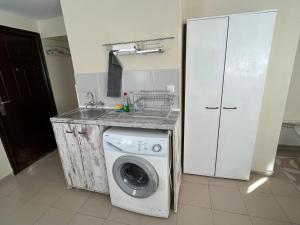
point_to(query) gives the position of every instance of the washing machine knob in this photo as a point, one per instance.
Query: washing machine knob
(156, 148)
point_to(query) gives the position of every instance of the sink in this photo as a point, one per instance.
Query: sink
(141, 114)
(84, 114)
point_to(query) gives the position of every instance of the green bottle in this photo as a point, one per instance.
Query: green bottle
(126, 102)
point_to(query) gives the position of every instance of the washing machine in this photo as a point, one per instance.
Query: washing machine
(138, 167)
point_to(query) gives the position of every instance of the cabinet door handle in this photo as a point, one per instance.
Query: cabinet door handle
(69, 131)
(211, 107)
(229, 107)
(81, 132)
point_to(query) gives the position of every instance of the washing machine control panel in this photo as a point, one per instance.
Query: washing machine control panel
(145, 146)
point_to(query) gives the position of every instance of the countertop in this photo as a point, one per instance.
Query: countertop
(121, 120)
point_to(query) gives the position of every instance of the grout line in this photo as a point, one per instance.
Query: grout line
(244, 201)
(37, 219)
(272, 220)
(106, 219)
(274, 196)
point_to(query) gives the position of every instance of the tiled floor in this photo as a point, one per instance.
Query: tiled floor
(38, 196)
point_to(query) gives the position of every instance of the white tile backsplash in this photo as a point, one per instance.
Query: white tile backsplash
(162, 78)
(131, 81)
(137, 80)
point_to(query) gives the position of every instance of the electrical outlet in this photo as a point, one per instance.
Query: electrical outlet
(171, 88)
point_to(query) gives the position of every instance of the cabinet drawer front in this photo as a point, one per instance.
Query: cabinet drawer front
(70, 154)
(90, 141)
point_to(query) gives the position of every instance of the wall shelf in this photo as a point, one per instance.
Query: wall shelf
(138, 41)
(138, 47)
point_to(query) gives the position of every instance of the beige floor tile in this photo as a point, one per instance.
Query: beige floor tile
(195, 179)
(50, 194)
(28, 214)
(150, 220)
(264, 206)
(257, 183)
(225, 218)
(8, 185)
(283, 187)
(227, 199)
(260, 221)
(55, 216)
(97, 205)
(108, 222)
(9, 205)
(72, 200)
(220, 182)
(124, 216)
(279, 173)
(291, 206)
(195, 194)
(192, 215)
(80, 219)
(27, 190)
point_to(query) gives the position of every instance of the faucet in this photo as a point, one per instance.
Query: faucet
(92, 101)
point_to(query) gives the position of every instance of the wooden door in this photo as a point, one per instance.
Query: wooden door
(70, 154)
(205, 57)
(90, 141)
(247, 59)
(26, 98)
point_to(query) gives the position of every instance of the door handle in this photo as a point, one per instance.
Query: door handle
(2, 107)
(81, 132)
(229, 107)
(211, 107)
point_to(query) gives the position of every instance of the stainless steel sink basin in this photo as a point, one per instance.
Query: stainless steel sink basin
(84, 114)
(141, 114)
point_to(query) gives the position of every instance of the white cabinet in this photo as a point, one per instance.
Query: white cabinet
(226, 65)
(81, 152)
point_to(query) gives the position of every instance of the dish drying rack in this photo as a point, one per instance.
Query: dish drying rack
(156, 100)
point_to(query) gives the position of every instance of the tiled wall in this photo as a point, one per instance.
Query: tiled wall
(131, 81)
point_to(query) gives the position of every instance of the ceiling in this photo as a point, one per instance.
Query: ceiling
(33, 9)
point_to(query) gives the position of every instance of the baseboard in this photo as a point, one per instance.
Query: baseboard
(289, 147)
(7, 176)
(263, 173)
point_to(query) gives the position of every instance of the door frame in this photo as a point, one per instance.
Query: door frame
(41, 56)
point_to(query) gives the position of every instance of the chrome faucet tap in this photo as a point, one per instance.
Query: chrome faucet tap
(90, 95)
(92, 102)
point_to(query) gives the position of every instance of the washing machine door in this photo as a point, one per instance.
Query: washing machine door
(135, 176)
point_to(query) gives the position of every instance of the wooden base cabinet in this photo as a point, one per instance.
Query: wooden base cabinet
(81, 152)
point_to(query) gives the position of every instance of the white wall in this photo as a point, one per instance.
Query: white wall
(52, 27)
(61, 76)
(90, 24)
(280, 70)
(292, 109)
(15, 21)
(5, 168)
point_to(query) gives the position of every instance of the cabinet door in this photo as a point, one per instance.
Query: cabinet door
(247, 59)
(70, 154)
(90, 140)
(205, 57)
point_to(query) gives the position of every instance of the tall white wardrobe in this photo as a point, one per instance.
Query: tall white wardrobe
(227, 60)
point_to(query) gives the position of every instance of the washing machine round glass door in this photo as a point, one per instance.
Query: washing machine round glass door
(135, 176)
